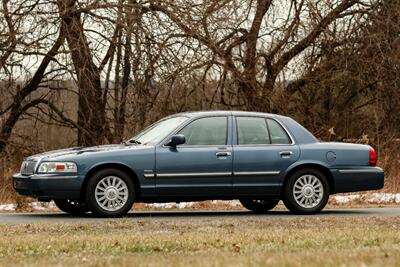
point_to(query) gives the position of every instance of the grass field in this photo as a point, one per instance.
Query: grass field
(291, 241)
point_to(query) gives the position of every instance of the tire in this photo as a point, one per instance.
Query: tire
(71, 207)
(306, 192)
(259, 205)
(110, 193)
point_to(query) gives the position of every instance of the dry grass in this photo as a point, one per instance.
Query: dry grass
(312, 241)
(8, 166)
(390, 162)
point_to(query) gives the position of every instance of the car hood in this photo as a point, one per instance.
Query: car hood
(75, 151)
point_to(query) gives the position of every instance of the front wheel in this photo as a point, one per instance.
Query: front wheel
(259, 205)
(110, 193)
(71, 207)
(306, 192)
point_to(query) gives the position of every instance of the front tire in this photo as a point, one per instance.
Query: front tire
(259, 205)
(71, 207)
(110, 193)
(306, 192)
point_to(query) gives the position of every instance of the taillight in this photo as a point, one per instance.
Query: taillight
(373, 157)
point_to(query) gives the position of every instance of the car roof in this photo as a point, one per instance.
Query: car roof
(223, 113)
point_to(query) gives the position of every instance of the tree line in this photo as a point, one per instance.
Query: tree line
(332, 65)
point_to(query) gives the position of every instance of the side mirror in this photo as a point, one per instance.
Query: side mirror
(176, 140)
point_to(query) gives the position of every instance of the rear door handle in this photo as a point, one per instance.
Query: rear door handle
(223, 154)
(285, 154)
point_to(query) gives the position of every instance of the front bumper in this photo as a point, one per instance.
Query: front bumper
(357, 179)
(48, 186)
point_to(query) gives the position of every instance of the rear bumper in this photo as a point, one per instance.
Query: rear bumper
(357, 179)
(48, 186)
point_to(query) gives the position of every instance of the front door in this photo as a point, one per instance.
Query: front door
(262, 152)
(200, 167)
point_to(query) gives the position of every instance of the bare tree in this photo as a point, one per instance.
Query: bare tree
(257, 47)
(21, 99)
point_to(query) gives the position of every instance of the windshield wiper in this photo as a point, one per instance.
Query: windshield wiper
(133, 141)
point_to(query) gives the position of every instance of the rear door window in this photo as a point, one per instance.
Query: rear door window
(252, 131)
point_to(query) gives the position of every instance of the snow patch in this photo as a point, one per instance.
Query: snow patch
(182, 205)
(8, 207)
(170, 205)
(346, 199)
(35, 206)
(374, 198)
(384, 198)
(41, 206)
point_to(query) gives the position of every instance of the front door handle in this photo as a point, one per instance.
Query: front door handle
(285, 154)
(223, 154)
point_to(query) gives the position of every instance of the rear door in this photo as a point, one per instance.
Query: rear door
(262, 150)
(200, 167)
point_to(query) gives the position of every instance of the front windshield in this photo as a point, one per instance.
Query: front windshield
(158, 131)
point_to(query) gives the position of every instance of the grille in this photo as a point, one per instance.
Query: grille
(28, 167)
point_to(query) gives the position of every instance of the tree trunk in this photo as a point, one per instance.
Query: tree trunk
(91, 112)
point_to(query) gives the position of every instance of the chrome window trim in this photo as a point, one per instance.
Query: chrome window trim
(263, 145)
(223, 147)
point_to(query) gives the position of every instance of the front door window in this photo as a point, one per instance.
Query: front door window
(206, 131)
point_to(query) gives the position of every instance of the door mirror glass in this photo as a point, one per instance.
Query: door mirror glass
(177, 140)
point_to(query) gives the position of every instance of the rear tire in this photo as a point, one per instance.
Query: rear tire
(259, 205)
(306, 192)
(71, 207)
(110, 193)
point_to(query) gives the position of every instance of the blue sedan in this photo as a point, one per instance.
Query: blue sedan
(257, 158)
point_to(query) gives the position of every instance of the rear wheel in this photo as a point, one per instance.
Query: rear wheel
(110, 193)
(259, 205)
(71, 207)
(306, 192)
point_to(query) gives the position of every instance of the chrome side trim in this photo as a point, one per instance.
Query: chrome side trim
(44, 176)
(149, 175)
(213, 174)
(356, 170)
(257, 173)
(194, 174)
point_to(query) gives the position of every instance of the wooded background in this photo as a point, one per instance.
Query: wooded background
(95, 72)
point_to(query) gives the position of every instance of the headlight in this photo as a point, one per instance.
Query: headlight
(54, 167)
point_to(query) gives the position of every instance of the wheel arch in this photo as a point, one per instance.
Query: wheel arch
(311, 165)
(111, 165)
